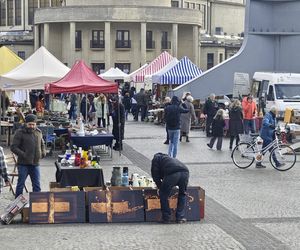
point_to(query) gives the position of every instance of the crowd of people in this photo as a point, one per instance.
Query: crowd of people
(167, 171)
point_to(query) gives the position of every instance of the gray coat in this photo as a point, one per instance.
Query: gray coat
(28, 146)
(185, 118)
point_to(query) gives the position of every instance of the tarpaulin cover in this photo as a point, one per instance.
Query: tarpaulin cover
(81, 79)
(8, 60)
(41, 67)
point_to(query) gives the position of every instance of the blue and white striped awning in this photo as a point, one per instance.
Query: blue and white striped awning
(182, 72)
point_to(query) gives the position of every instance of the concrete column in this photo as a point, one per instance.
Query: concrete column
(36, 37)
(107, 38)
(174, 39)
(196, 49)
(143, 43)
(72, 43)
(46, 35)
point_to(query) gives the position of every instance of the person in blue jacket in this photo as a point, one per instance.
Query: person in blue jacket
(267, 134)
(172, 117)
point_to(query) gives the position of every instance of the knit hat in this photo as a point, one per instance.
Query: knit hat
(30, 118)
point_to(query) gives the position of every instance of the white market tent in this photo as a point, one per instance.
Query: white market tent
(40, 68)
(114, 74)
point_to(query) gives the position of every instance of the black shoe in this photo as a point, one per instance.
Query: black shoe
(259, 165)
(181, 221)
(166, 142)
(187, 139)
(208, 145)
(180, 139)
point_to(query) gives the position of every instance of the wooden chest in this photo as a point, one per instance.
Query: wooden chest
(116, 205)
(194, 204)
(57, 207)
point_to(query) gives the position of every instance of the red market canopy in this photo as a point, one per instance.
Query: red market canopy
(158, 63)
(81, 79)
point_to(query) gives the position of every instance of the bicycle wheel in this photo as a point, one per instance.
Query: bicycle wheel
(283, 157)
(243, 155)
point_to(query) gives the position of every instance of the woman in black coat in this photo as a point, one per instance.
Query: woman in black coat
(218, 125)
(118, 118)
(236, 126)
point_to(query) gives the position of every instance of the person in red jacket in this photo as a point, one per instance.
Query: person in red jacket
(249, 114)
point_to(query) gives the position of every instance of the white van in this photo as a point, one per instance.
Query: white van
(276, 89)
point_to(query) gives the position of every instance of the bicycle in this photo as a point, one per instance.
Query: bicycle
(245, 153)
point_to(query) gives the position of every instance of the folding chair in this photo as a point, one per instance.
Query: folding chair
(13, 159)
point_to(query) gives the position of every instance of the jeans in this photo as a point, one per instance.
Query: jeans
(179, 179)
(249, 126)
(143, 110)
(33, 172)
(173, 142)
(266, 143)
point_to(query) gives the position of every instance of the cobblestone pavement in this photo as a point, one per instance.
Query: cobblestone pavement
(245, 209)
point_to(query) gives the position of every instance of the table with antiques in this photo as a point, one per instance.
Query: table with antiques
(81, 177)
(91, 140)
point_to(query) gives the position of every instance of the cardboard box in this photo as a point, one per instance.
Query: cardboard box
(54, 185)
(296, 112)
(57, 207)
(296, 120)
(194, 204)
(116, 205)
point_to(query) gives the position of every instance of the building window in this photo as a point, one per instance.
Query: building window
(21, 54)
(97, 39)
(44, 3)
(125, 67)
(123, 39)
(32, 5)
(202, 8)
(18, 11)
(187, 5)
(192, 5)
(220, 57)
(150, 44)
(2, 13)
(210, 60)
(165, 44)
(56, 3)
(10, 12)
(175, 4)
(98, 68)
(78, 39)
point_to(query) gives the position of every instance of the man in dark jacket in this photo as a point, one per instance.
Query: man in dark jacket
(172, 116)
(141, 100)
(210, 109)
(28, 145)
(118, 118)
(167, 173)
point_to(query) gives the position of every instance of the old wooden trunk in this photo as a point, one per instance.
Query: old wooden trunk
(194, 204)
(57, 207)
(116, 205)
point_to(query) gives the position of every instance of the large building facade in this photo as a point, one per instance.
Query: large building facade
(122, 33)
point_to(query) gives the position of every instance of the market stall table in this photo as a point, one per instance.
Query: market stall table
(93, 140)
(81, 177)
